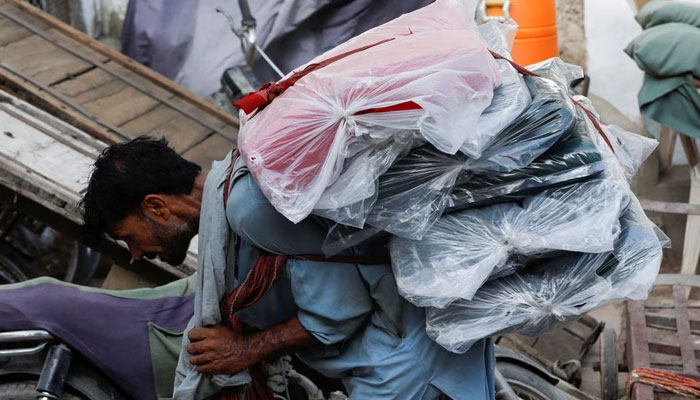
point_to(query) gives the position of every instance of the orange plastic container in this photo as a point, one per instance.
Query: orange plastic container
(536, 39)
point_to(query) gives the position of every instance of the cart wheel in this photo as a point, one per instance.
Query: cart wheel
(608, 364)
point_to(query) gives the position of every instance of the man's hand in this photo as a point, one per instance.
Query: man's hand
(220, 350)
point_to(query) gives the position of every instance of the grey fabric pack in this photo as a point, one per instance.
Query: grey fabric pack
(215, 278)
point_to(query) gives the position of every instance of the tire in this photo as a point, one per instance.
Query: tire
(26, 390)
(10, 271)
(527, 384)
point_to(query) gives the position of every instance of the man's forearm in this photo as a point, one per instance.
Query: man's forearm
(222, 349)
(280, 339)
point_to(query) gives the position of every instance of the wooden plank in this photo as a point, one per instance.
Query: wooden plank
(668, 207)
(59, 107)
(11, 32)
(48, 32)
(685, 340)
(691, 242)
(213, 148)
(121, 106)
(127, 62)
(29, 146)
(230, 131)
(83, 83)
(677, 279)
(41, 60)
(105, 86)
(666, 147)
(638, 347)
(144, 84)
(180, 131)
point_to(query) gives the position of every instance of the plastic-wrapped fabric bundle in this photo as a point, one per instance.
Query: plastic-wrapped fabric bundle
(427, 71)
(572, 159)
(459, 253)
(415, 191)
(510, 99)
(550, 293)
(348, 200)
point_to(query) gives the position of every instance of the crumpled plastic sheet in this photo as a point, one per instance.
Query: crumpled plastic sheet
(510, 99)
(550, 293)
(559, 71)
(348, 200)
(572, 159)
(297, 145)
(415, 191)
(463, 249)
(631, 149)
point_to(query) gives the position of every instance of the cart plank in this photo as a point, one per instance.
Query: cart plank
(164, 122)
(41, 60)
(10, 32)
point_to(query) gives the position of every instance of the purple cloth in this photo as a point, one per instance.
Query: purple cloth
(111, 332)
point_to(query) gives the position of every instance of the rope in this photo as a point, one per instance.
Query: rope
(668, 381)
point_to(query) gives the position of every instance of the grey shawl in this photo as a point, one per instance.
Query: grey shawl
(215, 278)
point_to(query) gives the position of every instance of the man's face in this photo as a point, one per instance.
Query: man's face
(148, 237)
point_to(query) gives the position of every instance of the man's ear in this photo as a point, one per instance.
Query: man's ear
(155, 207)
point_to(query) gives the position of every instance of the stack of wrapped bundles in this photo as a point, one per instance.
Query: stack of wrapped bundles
(506, 202)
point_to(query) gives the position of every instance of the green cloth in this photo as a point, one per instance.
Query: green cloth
(165, 349)
(670, 56)
(661, 12)
(180, 287)
(667, 50)
(674, 102)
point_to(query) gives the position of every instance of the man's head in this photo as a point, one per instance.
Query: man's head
(141, 192)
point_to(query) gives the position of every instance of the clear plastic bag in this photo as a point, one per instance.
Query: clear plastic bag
(415, 191)
(349, 199)
(572, 159)
(510, 99)
(548, 294)
(459, 253)
(297, 145)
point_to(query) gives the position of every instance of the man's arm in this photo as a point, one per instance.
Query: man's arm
(222, 350)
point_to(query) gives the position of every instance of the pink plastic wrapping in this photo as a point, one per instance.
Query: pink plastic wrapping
(296, 146)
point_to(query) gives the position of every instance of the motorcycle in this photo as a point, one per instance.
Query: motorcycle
(63, 341)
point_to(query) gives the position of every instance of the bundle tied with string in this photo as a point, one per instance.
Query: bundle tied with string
(464, 249)
(428, 73)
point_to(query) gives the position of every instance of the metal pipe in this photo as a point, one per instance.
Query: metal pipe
(25, 336)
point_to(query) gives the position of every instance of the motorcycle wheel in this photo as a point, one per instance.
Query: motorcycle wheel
(10, 272)
(527, 384)
(26, 390)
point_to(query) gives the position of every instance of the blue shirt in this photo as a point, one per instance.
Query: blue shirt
(373, 339)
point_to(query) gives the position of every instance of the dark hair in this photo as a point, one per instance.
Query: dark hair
(124, 174)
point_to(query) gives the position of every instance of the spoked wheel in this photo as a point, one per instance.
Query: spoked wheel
(527, 385)
(10, 272)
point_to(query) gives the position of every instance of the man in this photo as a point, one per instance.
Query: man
(342, 316)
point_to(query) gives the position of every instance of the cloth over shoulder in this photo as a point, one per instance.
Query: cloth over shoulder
(215, 278)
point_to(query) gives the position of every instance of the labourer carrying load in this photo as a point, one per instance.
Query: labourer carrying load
(402, 181)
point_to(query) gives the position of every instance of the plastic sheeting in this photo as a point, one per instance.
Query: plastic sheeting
(573, 159)
(510, 99)
(296, 146)
(458, 254)
(553, 292)
(415, 191)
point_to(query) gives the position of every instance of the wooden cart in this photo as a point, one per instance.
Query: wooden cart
(661, 334)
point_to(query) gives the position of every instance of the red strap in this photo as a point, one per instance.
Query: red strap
(590, 115)
(270, 90)
(229, 175)
(409, 105)
(259, 280)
